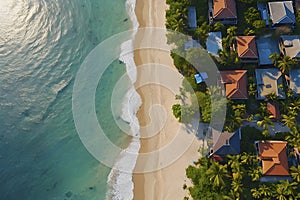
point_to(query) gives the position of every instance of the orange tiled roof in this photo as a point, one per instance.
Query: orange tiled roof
(224, 9)
(246, 47)
(274, 158)
(273, 108)
(235, 83)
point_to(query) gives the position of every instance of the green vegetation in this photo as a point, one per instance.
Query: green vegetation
(252, 91)
(201, 33)
(176, 15)
(254, 21)
(183, 113)
(235, 116)
(202, 99)
(264, 119)
(284, 63)
(229, 57)
(249, 136)
(238, 176)
(202, 10)
(177, 111)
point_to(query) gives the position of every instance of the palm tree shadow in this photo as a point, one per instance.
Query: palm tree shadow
(197, 128)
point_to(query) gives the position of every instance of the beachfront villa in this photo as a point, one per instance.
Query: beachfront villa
(214, 43)
(223, 11)
(246, 49)
(269, 81)
(224, 143)
(235, 82)
(273, 156)
(294, 80)
(282, 13)
(290, 46)
(266, 46)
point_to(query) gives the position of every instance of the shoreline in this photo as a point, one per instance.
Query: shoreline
(166, 183)
(130, 106)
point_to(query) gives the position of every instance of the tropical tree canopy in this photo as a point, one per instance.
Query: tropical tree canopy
(285, 64)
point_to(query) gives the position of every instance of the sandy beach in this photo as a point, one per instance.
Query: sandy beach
(166, 183)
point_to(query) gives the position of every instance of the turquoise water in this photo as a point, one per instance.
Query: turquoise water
(42, 44)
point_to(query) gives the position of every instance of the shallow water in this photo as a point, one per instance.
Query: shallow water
(42, 44)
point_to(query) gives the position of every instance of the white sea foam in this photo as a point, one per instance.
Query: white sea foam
(120, 184)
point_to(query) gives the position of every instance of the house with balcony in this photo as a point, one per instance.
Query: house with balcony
(265, 47)
(269, 81)
(274, 160)
(282, 13)
(235, 83)
(289, 45)
(223, 11)
(246, 49)
(223, 144)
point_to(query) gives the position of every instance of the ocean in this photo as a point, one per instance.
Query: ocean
(42, 45)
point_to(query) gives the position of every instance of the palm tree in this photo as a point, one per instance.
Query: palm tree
(235, 116)
(175, 15)
(248, 159)
(249, 31)
(238, 172)
(233, 160)
(265, 122)
(263, 108)
(203, 161)
(295, 172)
(202, 33)
(289, 92)
(255, 173)
(285, 64)
(217, 174)
(293, 137)
(231, 31)
(237, 188)
(228, 57)
(256, 193)
(174, 24)
(274, 57)
(272, 96)
(239, 107)
(252, 86)
(286, 190)
(230, 40)
(289, 121)
(251, 15)
(230, 196)
(265, 119)
(219, 26)
(285, 105)
(293, 110)
(265, 190)
(296, 105)
(262, 191)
